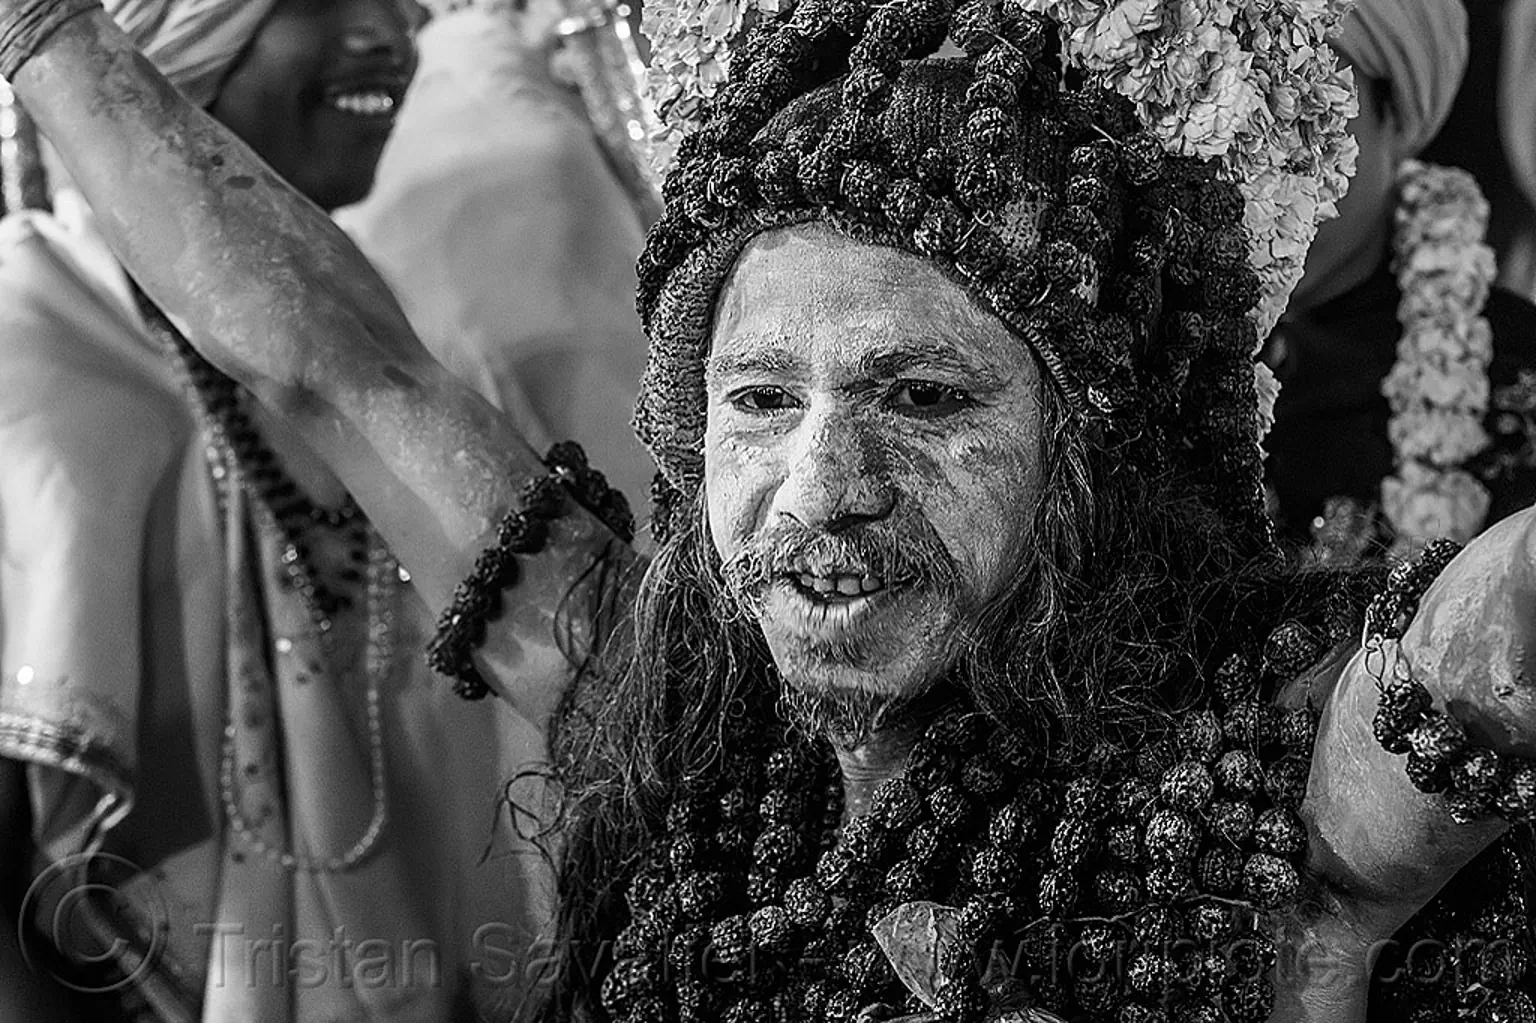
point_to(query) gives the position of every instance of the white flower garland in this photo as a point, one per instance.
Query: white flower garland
(1251, 82)
(1438, 389)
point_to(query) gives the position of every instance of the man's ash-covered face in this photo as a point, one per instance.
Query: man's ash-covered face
(872, 458)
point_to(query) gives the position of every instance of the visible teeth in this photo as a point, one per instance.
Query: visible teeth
(871, 583)
(848, 586)
(366, 104)
(821, 584)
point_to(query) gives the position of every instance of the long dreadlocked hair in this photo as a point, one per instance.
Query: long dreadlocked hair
(1132, 590)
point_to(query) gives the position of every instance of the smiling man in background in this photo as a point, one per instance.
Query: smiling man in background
(207, 685)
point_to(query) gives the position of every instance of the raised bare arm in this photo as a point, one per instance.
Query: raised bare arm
(1379, 848)
(271, 292)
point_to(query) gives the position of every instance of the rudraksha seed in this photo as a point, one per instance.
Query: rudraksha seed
(905, 204)
(1298, 730)
(1508, 1007)
(683, 853)
(1058, 892)
(807, 903)
(864, 185)
(940, 232)
(897, 804)
(1012, 826)
(1270, 882)
(836, 870)
(1168, 882)
(627, 982)
(1200, 736)
(1148, 974)
(1286, 780)
(730, 940)
(1158, 926)
(991, 129)
(1477, 772)
(1188, 787)
(1141, 159)
(981, 184)
(788, 769)
(1279, 831)
(748, 1010)
(934, 170)
(925, 843)
(1239, 774)
(866, 839)
(1220, 871)
(1248, 1001)
(1072, 841)
(1249, 724)
(960, 1001)
(1210, 921)
(1406, 697)
(1197, 1012)
(1083, 797)
(772, 929)
(996, 871)
(976, 27)
(1438, 737)
(1002, 62)
(841, 1006)
(950, 807)
(1251, 956)
(1236, 680)
(1171, 837)
(1096, 994)
(699, 893)
(1428, 775)
(864, 966)
(904, 881)
(1517, 798)
(982, 777)
(1117, 890)
(764, 888)
(776, 847)
(1123, 842)
(1290, 649)
(778, 177)
(1392, 727)
(1134, 797)
(1154, 760)
(820, 175)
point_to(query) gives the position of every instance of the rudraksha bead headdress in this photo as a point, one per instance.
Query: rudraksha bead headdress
(1099, 234)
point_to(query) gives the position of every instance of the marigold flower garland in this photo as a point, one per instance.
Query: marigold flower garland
(1439, 389)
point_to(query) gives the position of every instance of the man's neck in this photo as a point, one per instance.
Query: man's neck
(881, 757)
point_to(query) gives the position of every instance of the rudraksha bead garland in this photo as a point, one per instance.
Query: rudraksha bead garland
(749, 907)
(523, 530)
(1478, 781)
(1136, 274)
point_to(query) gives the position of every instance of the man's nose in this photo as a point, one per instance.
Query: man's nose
(839, 477)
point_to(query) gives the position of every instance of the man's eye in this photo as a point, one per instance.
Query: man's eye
(928, 399)
(763, 399)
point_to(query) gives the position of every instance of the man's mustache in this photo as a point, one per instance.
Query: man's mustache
(898, 552)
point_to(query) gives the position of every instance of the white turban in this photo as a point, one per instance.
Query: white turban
(1419, 49)
(194, 43)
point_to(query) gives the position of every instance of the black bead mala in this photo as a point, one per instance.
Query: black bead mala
(1134, 891)
(1478, 781)
(223, 404)
(523, 530)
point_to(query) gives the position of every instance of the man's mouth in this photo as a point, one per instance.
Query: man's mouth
(839, 586)
(362, 103)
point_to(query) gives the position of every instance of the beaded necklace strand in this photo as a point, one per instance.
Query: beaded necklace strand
(238, 456)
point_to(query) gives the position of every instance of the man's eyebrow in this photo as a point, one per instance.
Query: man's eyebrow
(754, 358)
(934, 354)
